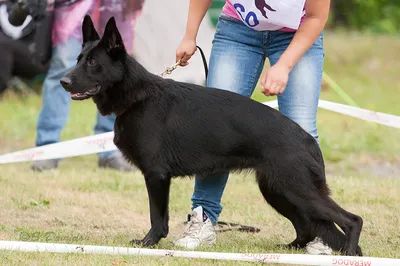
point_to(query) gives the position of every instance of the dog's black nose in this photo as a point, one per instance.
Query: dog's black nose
(65, 82)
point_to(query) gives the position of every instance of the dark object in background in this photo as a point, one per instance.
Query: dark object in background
(16, 61)
(27, 53)
(22, 8)
(18, 13)
(39, 30)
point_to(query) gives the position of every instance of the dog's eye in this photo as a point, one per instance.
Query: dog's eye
(91, 62)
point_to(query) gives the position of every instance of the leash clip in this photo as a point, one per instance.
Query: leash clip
(169, 70)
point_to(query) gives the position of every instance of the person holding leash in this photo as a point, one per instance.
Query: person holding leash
(290, 34)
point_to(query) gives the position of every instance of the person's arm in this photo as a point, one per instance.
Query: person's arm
(187, 47)
(274, 80)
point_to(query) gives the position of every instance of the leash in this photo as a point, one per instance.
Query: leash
(204, 61)
(169, 70)
(238, 227)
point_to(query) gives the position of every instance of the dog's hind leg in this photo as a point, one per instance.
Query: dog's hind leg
(322, 208)
(331, 236)
(297, 188)
(307, 229)
(157, 185)
(282, 205)
(350, 223)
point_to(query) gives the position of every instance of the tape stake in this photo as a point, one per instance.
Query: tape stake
(339, 90)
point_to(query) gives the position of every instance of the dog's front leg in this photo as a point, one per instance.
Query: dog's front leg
(158, 191)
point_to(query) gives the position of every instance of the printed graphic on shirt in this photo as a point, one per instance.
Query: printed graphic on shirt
(260, 4)
(269, 14)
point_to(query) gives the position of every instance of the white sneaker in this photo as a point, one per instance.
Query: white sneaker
(199, 231)
(317, 247)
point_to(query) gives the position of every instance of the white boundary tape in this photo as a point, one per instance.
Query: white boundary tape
(81, 146)
(364, 114)
(104, 142)
(297, 259)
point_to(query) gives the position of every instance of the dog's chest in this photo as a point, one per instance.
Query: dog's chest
(137, 139)
(124, 135)
(126, 142)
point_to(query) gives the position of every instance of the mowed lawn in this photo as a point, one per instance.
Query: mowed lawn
(80, 203)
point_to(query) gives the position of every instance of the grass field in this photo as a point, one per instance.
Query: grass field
(80, 203)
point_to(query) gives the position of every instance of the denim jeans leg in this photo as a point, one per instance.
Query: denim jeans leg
(299, 101)
(236, 61)
(55, 104)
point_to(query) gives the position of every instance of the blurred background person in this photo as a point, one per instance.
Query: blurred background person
(67, 44)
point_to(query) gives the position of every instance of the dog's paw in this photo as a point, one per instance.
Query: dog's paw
(294, 245)
(287, 246)
(357, 252)
(136, 242)
(143, 242)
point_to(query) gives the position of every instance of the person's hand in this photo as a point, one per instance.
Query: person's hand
(274, 80)
(185, 50)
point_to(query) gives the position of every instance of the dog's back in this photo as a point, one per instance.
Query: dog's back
(220, 130)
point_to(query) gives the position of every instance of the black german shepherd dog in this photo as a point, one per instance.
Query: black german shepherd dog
(169, 129)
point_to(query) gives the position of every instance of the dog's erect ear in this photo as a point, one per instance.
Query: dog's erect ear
(112, 39)
(88, 31)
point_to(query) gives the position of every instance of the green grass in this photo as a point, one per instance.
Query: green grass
(80, 203)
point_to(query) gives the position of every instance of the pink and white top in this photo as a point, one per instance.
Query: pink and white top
(260, 15)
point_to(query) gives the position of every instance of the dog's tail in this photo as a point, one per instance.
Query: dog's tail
(317, 169)
(318, 177)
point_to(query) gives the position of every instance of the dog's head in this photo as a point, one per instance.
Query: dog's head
(100, 64)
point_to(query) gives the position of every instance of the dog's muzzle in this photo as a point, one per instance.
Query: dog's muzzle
(87, 94)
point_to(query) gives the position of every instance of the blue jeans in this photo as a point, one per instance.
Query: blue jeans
(236, 62)
(55, 107)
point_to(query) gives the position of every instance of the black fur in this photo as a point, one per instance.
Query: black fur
(169, 129)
